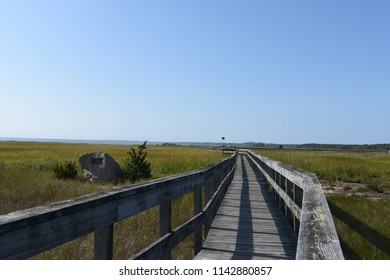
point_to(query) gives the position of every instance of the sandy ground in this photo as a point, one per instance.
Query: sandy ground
(351, 189)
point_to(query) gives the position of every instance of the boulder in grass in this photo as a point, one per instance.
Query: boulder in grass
(100, 167)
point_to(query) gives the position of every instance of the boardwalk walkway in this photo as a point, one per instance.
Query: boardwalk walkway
(249, 224)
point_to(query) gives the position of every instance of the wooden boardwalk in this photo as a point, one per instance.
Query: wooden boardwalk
(249, 224)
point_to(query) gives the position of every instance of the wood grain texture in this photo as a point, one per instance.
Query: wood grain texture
(318, 239)
(291, 204)
(167, 242)
(248, 224)
(103, 243)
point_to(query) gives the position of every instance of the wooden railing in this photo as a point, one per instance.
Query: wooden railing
(26, 233)
(223, 150)
(300, 196)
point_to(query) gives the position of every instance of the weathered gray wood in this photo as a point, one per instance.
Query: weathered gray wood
(213, 204)
(295, 209)
(27, 236)
(166, 226)
(103, 243)
(317, 237)
(153, 251)
(165, 218)
(293, 174)
(248, 224)
(28, 232)
(209, 254)
(156, 249)
(207, 196)
(198, 237)
(169, 240)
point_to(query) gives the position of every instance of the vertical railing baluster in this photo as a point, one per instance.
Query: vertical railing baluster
(207, 197)
(103, 243)
(198, 230)
(166, 225)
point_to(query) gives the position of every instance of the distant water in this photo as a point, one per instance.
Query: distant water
(79, 141)
(104, 142)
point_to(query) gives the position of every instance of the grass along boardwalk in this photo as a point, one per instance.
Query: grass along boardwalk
(249, 224)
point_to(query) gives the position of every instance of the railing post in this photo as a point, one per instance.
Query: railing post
(207, 187)
(218, 178)
(207, 197)
(289, 190)
(283, 183)
(103, 243)
(198, 230)
(296, 225)
(298, 195)
(166, 225)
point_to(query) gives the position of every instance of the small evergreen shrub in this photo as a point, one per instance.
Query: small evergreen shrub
(136, 166)
(66, 170)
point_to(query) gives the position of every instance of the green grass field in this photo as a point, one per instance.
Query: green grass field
(361, 220)
(27, 180)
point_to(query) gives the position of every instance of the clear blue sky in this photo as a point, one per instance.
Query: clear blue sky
(264, 71)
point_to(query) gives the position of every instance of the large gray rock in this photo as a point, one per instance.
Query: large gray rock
(100, 167)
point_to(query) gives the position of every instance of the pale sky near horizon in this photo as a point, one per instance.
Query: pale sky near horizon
(262, 71)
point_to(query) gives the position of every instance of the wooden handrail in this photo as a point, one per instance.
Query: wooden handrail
(300, 196)
(26, 233)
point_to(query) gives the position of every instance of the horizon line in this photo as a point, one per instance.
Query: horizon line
(125, 142)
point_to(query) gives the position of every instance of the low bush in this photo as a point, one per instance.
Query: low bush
(136, 166)
(66, 170)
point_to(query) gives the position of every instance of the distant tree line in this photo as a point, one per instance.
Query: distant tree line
(365, 147)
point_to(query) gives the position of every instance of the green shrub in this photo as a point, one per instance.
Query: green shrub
(136, 166)
(66, 170)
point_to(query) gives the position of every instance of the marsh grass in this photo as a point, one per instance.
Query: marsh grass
(185, 250)
(362, 223)
(363, 226)
(370, 169)
(27, 180)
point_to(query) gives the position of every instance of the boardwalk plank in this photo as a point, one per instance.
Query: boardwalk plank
(249, 225)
